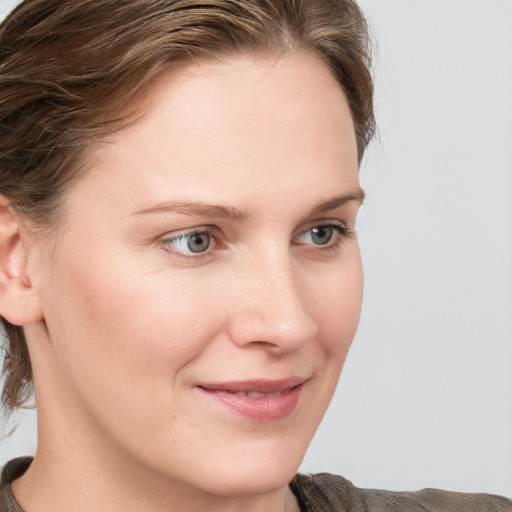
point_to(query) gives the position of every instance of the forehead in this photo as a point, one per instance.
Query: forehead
(256, 120)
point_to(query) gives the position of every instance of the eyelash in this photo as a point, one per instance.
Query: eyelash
(341, 232)
(212, 233)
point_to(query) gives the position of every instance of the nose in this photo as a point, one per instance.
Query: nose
(270, 310)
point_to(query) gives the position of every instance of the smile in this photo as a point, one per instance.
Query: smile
(256, 394)
(257, 400)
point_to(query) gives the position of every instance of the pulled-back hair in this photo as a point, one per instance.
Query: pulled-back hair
(69, 68)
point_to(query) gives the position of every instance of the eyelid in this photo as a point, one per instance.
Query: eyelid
(334, 223)
(170, 237)
(342, 232)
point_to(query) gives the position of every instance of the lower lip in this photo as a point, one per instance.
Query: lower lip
(258, 409)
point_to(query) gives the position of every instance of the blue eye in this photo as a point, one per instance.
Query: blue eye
(196, 242)
(320, 235)
(325, 234)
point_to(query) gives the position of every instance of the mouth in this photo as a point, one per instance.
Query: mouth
(255, 394)
(257, 400)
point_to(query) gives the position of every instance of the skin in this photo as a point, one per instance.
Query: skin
(123, 323)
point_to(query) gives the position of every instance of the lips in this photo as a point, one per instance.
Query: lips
(257, 400)
(256, 394)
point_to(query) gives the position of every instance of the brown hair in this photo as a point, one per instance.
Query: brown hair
(68, 67)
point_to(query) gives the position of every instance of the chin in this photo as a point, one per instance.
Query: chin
(264, 471)
(252, 481)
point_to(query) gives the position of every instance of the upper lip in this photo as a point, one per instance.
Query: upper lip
(256, 385)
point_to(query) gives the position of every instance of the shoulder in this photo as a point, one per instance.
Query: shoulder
(326, 492)
(436, 500)
(12, 470)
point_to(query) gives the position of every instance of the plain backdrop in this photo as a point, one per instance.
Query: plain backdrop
(425, 399)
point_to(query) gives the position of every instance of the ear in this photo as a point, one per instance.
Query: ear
(19, 301)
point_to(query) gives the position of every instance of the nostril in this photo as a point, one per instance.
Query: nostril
(255, 331)
(266, 345)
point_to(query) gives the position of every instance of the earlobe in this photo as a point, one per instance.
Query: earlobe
(19, 301)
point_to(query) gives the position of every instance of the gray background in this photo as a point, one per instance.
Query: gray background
(425, 399)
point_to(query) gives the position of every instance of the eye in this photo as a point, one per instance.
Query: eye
(324, 235)
(320, 235)
(194, 242)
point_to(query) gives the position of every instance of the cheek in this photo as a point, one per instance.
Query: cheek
(109, 325)
(335, 304)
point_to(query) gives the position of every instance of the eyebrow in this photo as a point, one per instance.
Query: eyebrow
(201, 209)
(197, 208)
(357, 195)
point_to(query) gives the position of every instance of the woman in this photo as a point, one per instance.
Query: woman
(180, 280)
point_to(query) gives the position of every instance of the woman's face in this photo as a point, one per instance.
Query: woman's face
(205, 289)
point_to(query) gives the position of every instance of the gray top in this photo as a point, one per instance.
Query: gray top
(11, 471)
(324, 492)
